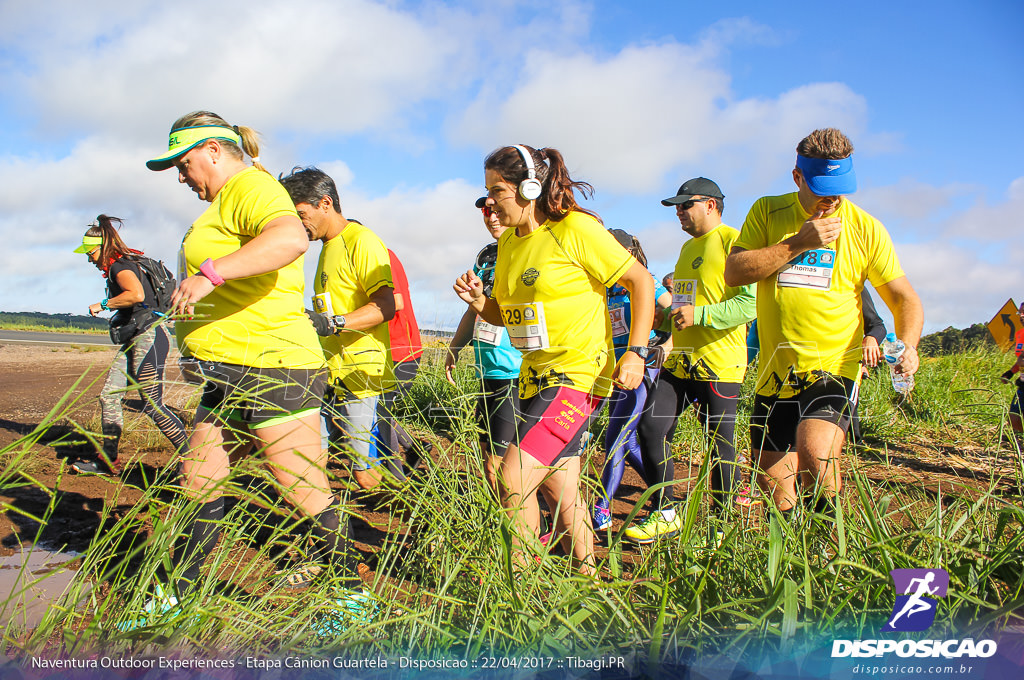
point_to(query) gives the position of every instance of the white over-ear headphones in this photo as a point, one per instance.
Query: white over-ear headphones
(530, 188)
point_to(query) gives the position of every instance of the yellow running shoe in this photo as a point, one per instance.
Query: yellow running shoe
(653, 527)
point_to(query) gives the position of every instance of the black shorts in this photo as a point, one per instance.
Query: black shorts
(1018, 398)
(405, 373)
(260, 397)
(774, 421)
(496, 410)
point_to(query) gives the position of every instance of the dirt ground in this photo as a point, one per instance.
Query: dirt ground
(34, 378)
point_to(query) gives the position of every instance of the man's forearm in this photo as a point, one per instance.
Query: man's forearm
(739, 309)
(902, 300)
(909, 317)
(750, 266)
(380, 309)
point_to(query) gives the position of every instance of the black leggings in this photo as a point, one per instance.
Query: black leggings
(392, 434)
(150, 374)
(140, 364)
(716, 410)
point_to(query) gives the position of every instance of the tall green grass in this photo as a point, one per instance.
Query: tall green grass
(445, 582)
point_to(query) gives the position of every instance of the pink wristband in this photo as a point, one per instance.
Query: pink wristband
(207, 270)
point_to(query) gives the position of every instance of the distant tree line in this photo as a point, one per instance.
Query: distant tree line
(61, 321)
(948, 341)
(954, 340)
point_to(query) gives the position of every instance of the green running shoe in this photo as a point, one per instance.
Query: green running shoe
(353, 608)
(653, 527)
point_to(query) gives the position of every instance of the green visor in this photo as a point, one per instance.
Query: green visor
(184, 139)
(89, 243)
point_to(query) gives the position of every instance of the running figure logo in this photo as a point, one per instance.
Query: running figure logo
(915, 605)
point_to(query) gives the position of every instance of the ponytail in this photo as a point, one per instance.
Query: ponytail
(251, 145)
(559, 196)
(113, 246)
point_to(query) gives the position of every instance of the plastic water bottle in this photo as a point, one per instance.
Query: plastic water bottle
(892, 350)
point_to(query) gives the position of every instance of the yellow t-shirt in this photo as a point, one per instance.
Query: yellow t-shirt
(809, 316)
(551, 287)
(354, 265)
(700, 352)
(257, 321)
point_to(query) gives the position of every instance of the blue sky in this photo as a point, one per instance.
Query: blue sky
(401, 101)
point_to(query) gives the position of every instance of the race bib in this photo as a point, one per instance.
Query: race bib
(487, 333)
(322, 304)
(812, 269)
(620, 325)
(684, 293)
(527, 329)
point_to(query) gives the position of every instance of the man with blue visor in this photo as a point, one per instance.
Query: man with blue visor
(809, 253)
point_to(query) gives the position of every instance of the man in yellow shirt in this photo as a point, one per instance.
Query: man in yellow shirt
(708, 359)
(810, 253)
(353, 303)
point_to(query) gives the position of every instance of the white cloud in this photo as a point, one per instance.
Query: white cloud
(619, 122)
(435, 231)
(956, 286)
(102, 82)
(626, 120)
(990, 223)
(912, 200)
(960, 281)
(311, 65)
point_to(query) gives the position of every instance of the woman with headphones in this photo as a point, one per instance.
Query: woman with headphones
(555, 263)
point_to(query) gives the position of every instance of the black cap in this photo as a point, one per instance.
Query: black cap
(698, 186)
(480, 201)
(624, 238)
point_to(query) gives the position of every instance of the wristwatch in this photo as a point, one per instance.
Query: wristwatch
(641, 352)
(338, 321)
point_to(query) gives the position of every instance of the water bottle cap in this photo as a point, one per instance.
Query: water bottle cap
(890, 337)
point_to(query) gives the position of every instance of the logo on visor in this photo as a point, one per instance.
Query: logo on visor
(915, 606)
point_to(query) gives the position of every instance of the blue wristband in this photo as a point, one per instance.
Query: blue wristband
(103, 304)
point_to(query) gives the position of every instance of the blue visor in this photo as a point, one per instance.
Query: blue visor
(827, 176)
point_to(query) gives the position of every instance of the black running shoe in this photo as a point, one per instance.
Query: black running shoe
(94, 466)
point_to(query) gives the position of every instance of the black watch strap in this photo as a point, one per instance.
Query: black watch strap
(641, 352)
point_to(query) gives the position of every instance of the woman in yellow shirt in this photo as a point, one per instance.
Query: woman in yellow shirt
(241, 296)
(555, 263)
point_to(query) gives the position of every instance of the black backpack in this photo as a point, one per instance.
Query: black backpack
(160, 278)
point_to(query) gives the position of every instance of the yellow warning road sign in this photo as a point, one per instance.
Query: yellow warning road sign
(1004, 325)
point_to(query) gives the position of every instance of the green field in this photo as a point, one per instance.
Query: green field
(444, 581)
(53, 323)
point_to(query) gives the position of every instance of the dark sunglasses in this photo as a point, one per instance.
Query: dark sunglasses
(686, 205)
(486, 210)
